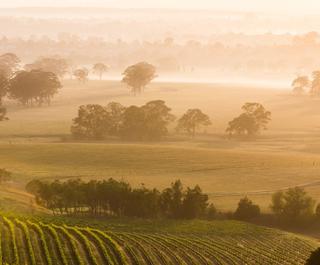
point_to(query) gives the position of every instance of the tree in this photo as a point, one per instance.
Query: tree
(253, 119)
(9, 63)
(292, 205)
(100, 69)
(314, 258)
(148, 122)
(300, 84)
(3, 112)
(4, 86)
(34, 86)
(195, 203)
(171, 200)
(137, 76)
(115, 111)
(191, 120)
(93, 122)
(315, 85)
(81, 74)
(58, 66)
(247, 210)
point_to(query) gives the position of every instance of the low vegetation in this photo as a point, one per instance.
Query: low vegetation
(172, 242)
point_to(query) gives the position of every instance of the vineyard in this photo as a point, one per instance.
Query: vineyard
(35, 242)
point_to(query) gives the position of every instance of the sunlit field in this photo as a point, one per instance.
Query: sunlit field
(36, 142)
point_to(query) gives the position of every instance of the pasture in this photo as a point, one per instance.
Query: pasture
(36, 143)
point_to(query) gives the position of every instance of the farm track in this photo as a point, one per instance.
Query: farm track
(30, 243)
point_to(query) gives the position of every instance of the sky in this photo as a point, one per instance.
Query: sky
(287, 6)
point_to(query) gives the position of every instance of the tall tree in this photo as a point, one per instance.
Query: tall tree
(195, 203)
(100, 68)
(300, 84)
(81, 74)
(139, 75)
(35, 86)
(191, 120)
(253, 119)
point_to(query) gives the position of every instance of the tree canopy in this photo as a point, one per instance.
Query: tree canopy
(35, 86)
(137, 76)
(191, 120)
(58, 66)
(253, 119)
(247, 209)
(292, 205)
(148, 122)
(9, 64)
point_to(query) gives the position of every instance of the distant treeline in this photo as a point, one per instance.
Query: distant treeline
(118, 198)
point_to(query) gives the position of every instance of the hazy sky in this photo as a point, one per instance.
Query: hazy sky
(288, 6)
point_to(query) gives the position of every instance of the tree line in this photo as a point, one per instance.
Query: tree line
(118, 198)
(151, 120)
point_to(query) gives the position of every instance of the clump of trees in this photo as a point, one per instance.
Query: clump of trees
(192, 120)
(251, 122)
(294, 205)
(148, 122)
(5, 175)
(139, 75)
(118, 198)
(35, 86)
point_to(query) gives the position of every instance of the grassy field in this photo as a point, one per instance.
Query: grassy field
(288, 154)
(119, 242)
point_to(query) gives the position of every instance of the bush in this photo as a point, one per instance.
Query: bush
(246, 210)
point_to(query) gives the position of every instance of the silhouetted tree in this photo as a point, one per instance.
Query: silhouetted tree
(195, 203)
(58, 66)
(254, 119)
(300, 84)
(100, 69)
(171, 200)
(246, 209)
(314, 258)
(81, 74)
(34, 86)
(292, 205)
(137, 76)
(191, 120)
